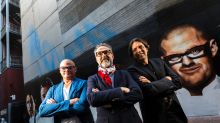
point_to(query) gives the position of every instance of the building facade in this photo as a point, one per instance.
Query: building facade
(56, 29)
(11, 70)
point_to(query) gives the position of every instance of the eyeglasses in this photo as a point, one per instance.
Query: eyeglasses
(106, 52)
(67, 68)
(193, 53)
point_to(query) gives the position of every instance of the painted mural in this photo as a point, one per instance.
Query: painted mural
(185, 35)
(190, 51)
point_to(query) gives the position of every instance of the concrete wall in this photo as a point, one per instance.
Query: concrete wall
(42, 21)
(41, 37)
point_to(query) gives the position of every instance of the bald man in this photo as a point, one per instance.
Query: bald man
(66, 101)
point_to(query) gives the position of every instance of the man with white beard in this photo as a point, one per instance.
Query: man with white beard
(112, 91)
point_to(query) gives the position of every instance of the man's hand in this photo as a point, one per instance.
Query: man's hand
(50, 101)
(144, 80)
(73, 101)
(168, 77)
(95, 90)
(125, 90)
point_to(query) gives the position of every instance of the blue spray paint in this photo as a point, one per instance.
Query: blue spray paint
(33, 50)
(85, 39)
(94, 35)
(36, 49)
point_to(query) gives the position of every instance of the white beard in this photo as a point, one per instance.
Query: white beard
(106, 64)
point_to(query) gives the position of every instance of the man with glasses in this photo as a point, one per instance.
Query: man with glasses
(158, 83)
(189, 51)
(112, 91)
(67, 100)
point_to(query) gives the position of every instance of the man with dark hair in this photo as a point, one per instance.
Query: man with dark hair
(112, 91)
(189, 50)
(158, 83)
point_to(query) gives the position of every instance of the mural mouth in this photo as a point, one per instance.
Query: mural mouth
(191, 70)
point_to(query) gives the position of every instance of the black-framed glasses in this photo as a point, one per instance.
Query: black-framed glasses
(106, 52)
(193, 53)
(67, 67)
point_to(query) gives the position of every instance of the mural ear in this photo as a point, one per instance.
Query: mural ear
(214, 47)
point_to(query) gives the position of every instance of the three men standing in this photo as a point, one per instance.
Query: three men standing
(114, 92)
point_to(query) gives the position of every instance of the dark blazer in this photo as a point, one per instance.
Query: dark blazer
(113, 106)
(160, 104)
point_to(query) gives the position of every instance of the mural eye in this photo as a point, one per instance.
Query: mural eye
(174, 59)
(196, 53)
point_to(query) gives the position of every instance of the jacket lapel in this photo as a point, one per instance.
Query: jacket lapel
(116, 78)
(72, 89)
(151, 63)
(60, 89)
(102, 83)
(145, 72)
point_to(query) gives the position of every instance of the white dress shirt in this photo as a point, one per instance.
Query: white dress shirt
(207, 104)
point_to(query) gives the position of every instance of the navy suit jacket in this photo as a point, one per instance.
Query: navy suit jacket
(113, 106)
(160, 104)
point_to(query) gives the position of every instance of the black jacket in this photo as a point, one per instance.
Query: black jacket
(160, 104)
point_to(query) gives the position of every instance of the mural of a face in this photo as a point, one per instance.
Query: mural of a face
(45, 85)
(104, 56)
(30, 105)
(139, 51)
(43, 92)
(190, 57)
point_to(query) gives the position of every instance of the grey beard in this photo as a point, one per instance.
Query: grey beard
(106, 64)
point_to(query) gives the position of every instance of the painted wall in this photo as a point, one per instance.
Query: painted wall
(117, 22)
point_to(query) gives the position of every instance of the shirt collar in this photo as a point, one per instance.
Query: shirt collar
(215, 84)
